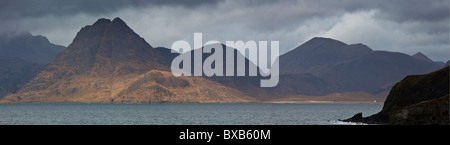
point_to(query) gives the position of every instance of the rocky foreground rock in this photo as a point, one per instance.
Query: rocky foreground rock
(416, 100)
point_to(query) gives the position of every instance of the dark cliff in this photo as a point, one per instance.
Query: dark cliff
(416, 100)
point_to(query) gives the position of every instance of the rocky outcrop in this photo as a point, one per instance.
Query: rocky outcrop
(355, 118)
(416, 100)
(435, 111)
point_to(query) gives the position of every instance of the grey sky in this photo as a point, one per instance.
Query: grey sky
(407, 26)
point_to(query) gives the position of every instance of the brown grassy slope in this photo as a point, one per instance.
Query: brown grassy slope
(151, 87)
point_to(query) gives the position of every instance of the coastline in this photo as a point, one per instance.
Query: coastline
(324, 102)
(261, 102)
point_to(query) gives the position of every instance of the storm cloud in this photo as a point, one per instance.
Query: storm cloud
(407, 26)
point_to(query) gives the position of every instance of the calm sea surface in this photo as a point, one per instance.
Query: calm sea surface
(183, 114)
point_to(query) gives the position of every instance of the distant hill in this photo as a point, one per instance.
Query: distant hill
(440, 63)
(420, 55)
(348, 68)
(15, 73)
(167, 54)
(328, 68)
(22, 56)
(318, 55)
(250, 85)
(35, 49)
(375, 70)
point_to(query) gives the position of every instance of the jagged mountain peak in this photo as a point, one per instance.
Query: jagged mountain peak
(105, 28)
(102, 21)
(109, 46)
(117, 20)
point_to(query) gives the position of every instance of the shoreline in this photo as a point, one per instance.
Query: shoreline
(324, 102)
(262, 102)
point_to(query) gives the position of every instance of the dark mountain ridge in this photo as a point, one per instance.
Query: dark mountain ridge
(351, 68)
(15, 73)
(323, 66)
(22, 56)
(318, 55)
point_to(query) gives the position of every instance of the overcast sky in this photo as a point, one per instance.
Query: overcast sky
(407, 26)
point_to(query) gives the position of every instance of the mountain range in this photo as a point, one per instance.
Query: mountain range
(107, 62)
(337, 69)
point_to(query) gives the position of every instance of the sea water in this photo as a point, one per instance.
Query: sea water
(182, 114)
